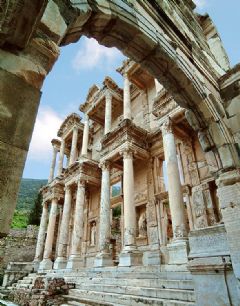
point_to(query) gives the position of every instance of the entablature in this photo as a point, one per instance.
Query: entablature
(126, 134)
(83, 170)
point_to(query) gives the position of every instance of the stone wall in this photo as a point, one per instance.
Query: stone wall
(18, 246)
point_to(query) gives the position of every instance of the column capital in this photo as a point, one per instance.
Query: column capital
(127, 153)
(167, 126)
(67, 188)
(108, 95)
(81, 183)
(105, 165)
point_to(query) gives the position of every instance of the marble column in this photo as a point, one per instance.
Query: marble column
(73, 152)
(61, 260)
(75, 260)
(178, 249)
(46, 263)
(108, 113)
(130, 255)
(53, 164)
(104, 257)
(85, 137)
(127, 114)
(61, 157)
(41, 236)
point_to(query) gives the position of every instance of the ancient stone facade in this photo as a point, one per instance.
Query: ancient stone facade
(189, 122)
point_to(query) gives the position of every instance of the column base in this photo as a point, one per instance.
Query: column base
(45, 264)
(103, 260)
(36, 264)
(60, 263)
(130, 258)
(178, 252)
(75, 262)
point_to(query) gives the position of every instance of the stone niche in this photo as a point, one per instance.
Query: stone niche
(141, 235)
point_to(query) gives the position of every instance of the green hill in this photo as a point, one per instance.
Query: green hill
(28, 192)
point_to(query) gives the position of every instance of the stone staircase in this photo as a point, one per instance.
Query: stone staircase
(130, 286)
(25, 283)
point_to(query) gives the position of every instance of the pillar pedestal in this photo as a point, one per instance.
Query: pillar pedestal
(178, 252)
(103, 260)
(75, 262)
(130, 258)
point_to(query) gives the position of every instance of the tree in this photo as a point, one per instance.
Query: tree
(35, 214)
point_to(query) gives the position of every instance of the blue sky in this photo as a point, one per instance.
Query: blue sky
(85, 63)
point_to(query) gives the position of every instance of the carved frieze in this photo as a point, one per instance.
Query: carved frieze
(163, 104)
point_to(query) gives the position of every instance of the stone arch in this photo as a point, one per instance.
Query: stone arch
(164, 37)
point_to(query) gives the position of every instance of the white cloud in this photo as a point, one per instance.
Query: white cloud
(91, 54)
(201, 4)
(46, 127)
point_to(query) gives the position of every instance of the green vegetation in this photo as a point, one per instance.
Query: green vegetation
(20, 219)
(27, 210)
(27, 193)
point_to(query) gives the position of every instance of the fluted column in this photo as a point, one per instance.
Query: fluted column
(175, 189)
(73, 152)
(75, 260)
(47, 263)
(129, 255)
(85, 137)
(41, 235)
(61, 261)
(53, 164)
(61, 157)
(104, 257)
(108, 113)
(127, 114)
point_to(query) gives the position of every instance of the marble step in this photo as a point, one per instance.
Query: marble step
(129, 275)
(174, 294)
(120, 299)
(157, 283)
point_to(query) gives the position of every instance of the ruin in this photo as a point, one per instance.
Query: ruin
(176, 118)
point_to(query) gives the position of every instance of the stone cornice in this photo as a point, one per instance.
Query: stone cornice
(163, 104)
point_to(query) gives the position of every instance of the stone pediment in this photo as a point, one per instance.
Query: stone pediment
(71, 121)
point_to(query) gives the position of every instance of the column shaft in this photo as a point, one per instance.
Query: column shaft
(129, 207)
(53, 164)
(175, 189)
(108, 113)
(130, 256)
(41, 234)
(104, 258)
(75, 260)
(61, 157)
(61, 260)
(127, 114)
(46, 263)
(73, 152)
(85, 137)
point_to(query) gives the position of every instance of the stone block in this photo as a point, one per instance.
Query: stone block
(178, 252)
(53, 23)
(226, 156)
(60, 263)
(129, 259)
(234, 123)
(233, 107)
(45, 264)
